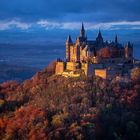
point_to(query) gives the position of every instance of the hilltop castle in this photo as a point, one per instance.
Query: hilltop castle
(97, 57)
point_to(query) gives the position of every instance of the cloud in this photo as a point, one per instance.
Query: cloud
(90, 25)
(49, 25)
(58, 25)
(115, 25)
(5, 25)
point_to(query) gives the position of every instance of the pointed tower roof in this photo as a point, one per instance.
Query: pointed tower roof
(99, 37)
(82, 29)
(100, 34)
(116, 39)
(69, 40)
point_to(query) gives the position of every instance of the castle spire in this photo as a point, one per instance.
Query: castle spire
(116, 40)
(99, 34)
(82, 32)
(99, 38)
(68, 44)
(83, 29)
(69, 40)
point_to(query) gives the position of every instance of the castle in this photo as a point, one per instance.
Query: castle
(98, 57)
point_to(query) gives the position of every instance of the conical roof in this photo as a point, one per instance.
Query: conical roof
(99, 34)
(82, 29)
(69, 40)
(116, 39)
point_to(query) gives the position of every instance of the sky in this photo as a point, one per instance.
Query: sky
(39, 16)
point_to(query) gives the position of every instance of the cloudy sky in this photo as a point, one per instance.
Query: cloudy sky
(55, 18)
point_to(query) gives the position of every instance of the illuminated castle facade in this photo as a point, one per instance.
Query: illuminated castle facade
(95, 57)
(85, 50)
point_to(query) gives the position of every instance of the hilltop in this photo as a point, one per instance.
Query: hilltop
(49, 106)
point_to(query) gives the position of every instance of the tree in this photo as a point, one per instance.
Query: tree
(58, 121)
(135, 74)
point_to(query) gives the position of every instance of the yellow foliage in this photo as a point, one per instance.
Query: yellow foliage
(57, 120)
(135, 74)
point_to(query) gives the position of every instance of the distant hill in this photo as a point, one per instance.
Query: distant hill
(51, 107)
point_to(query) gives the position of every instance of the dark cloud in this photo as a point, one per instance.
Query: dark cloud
(69, 10)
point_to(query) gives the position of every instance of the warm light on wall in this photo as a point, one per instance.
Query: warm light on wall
(101, 73)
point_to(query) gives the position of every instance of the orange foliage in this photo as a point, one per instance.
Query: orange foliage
(25, 121)
(9, 87)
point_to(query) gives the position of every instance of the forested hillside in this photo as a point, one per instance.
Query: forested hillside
(50, 107)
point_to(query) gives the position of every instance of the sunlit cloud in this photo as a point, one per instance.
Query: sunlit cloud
(90, 25)
(5, 25)
(47, 25)
(115, 25)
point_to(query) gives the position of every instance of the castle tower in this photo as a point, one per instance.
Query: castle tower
(99, 39)
(68, 44)
(77, 53)
(129, 50)
(78, 42)
(82, 31)
(95, 57)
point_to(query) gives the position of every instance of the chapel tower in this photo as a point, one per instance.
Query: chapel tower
(69, 43)
(99, 40)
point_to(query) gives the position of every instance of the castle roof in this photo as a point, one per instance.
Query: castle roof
(116, 40)
(99, 34)
(82, 29)
(69, 40)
